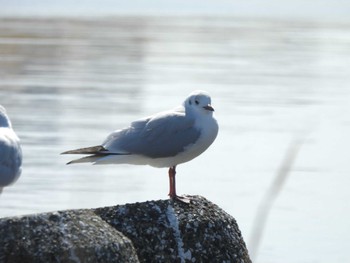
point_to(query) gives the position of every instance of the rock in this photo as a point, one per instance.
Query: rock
(154, 231)
(168, 231)
(68, 236)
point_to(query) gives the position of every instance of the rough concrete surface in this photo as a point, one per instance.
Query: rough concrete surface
(68, 236)
(153, 231)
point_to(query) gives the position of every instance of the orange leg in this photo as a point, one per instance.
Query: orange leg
(172, 185)
(172, 191)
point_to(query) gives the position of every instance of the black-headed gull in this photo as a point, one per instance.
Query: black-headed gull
(10, 152)
(165, 139)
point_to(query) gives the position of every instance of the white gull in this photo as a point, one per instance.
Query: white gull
(165, 139)
(10, 152)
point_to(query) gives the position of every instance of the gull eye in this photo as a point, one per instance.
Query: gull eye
(197, 102)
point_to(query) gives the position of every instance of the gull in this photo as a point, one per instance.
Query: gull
(165, 139)
(10, 152)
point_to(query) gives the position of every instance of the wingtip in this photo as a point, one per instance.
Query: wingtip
(87, 150)
(68, 152)
(74, 161)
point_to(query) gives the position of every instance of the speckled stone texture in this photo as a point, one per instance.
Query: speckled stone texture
(68, 236)
(172, 231)
(154, 231)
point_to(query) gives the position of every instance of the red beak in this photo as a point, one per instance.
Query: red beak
(209, 107)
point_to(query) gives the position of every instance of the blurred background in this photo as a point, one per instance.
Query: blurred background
(71, 72)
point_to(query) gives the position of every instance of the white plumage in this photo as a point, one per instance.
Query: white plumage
(10, 152)
(165, 139)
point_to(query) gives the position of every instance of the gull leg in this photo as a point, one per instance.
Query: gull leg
(172, 185)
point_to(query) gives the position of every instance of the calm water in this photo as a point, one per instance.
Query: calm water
(68, 83)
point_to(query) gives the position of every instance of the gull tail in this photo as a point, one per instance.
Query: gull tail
(96, 154)
(86, 159)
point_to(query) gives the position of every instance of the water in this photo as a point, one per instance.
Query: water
(67, 83)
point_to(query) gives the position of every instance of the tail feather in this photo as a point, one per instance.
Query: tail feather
(95, 153)
(86, 159)
(88, 150)
(101, 158)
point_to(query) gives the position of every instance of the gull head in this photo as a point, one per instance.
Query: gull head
(199, 102)
(4, 120)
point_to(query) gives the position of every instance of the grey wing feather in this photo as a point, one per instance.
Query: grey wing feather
(10, 161)
(163, 135)
(87, 150)
(95, 153)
